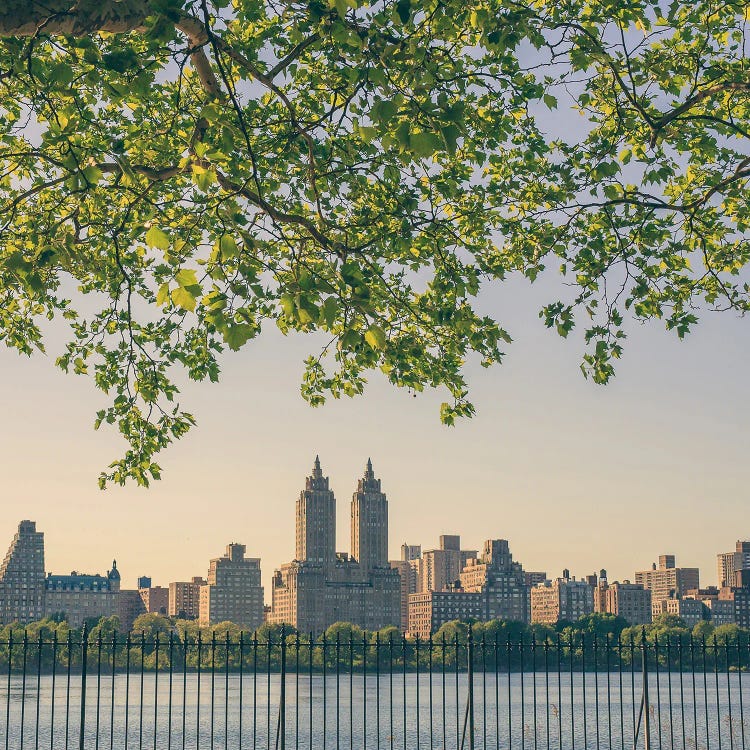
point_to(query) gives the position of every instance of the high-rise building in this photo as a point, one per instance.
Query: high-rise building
(429, 610)
(411, 551)
(600, 593)
(320, 586)
(81, 596)
(721, 611)
(692, 611)
(369, 532)
(233, 591)
(628, 600)
(185, 597)
(408, 567)
(316, 520)
(561, 600)
(534, 577)
(129, 608)
(501, 582)
(667, 580)
(729, 562)
(441, 568)
(22, 576)
(741, 593)
(155, 598)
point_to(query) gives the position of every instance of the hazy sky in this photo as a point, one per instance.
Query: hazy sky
(573, 474)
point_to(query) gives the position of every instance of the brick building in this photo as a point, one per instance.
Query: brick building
(233, 592)
(321, 586)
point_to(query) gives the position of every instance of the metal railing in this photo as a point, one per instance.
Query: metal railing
(294, 691)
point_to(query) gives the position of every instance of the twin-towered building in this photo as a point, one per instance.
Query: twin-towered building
(322, 586)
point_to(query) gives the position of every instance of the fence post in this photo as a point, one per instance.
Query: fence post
(644, 678)
(84, 665)
(470, 675)
(282, 694)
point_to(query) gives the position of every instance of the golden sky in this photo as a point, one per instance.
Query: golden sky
(573, 474)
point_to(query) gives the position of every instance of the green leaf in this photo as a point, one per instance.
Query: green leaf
(183, 298)
(228, 246)
(329, 311)
(424, 144)
(204, 178)
(451, 134)
(186, 277)
(238, 335)
(383, 110)
(162, 296)
(155, 237)
(375, 337)
(62, 73)
(287, 304)
(92, 174)
(403, 8)
(368, 134)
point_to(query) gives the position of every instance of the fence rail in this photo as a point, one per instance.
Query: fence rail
(397, 694)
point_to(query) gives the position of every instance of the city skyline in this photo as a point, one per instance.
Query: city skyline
(424, 546)
(417, 593)
(658, 456)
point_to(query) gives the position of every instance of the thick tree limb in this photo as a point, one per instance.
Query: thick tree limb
(27, 18)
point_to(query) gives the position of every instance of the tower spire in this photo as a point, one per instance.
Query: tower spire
(369, 474)
(317, 472)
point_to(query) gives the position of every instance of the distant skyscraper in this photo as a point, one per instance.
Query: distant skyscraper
(233, 592)
(129, 608)
(411, 551)
(321, 587)
(500, 580)
(22, 576)
(534, 577)
(155, 598)
(408, 568)
(450, 541)
(316, 520)
(718, 602)
(441, 568)
(729, 562)
(370, 522)
(561, 600)
(628, 600)
(741, 592)
(184, 598)
(667, 580)
(721, 611)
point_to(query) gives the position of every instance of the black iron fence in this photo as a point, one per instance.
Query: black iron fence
(297, 692)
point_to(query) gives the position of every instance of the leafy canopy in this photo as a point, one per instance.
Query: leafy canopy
(176, 173)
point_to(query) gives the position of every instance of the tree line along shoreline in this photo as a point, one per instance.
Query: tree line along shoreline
(597, 642)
